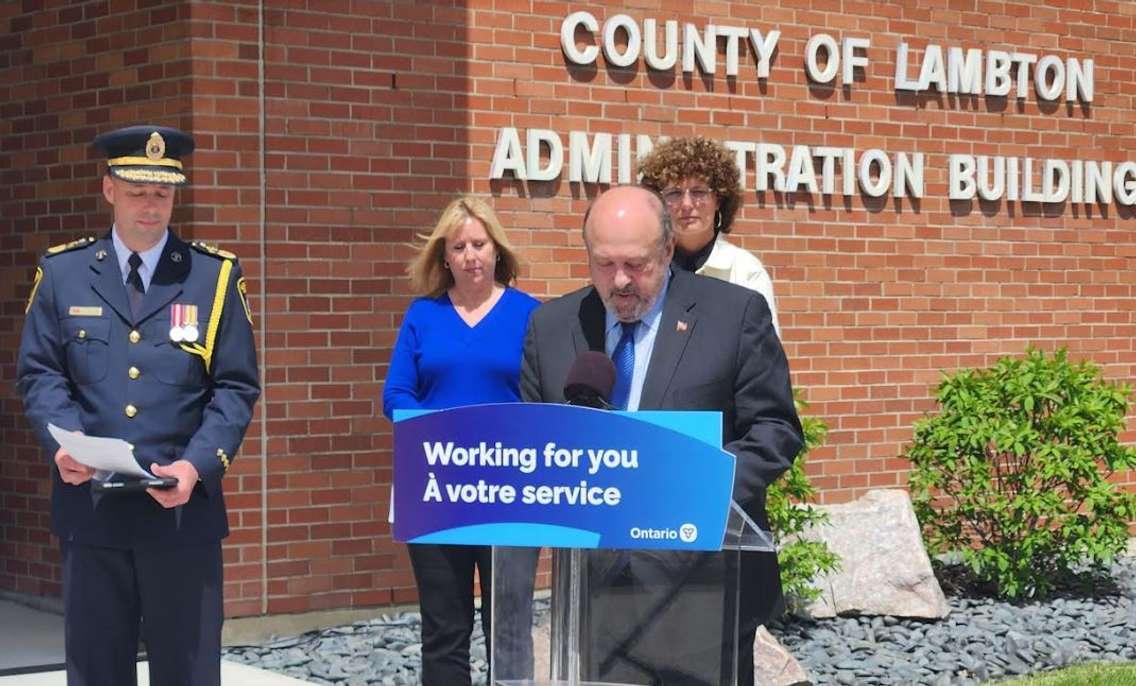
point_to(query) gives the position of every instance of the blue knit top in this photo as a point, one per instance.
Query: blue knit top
(439, 361)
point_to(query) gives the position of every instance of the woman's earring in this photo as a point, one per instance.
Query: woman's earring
(445, 264)
(717, 219)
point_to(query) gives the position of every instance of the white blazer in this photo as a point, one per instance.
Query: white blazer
(730, 263)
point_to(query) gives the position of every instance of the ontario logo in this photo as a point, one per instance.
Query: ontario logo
(687, 533)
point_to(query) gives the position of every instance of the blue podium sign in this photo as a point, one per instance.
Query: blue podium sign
(521, 474)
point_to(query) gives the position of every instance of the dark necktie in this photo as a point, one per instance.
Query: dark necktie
(134, 288)
(624, 358)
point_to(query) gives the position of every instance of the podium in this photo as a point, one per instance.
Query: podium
(647, 545)
(664, 617)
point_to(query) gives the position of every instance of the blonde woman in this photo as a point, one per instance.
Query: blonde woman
(460, 344)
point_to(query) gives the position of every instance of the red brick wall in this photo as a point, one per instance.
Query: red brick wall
(376, 113)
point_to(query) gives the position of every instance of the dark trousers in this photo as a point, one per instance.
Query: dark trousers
(444, 574)
(762, 601)
(669, 618)
(658, 618)
(172, 598)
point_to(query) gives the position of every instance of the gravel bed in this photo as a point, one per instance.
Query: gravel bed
(981, 640)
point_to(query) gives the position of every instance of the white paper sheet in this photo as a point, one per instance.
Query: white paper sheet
(106, 455)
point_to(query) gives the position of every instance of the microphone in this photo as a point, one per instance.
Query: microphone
(590, 380)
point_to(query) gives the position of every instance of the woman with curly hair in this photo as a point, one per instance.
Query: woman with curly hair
(700, 184)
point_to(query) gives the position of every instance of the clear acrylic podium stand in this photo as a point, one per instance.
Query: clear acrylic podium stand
(623, 617)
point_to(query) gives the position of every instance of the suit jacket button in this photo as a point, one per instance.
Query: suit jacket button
(82, 333)
(131, 411)
(135, 336)
(134, 373)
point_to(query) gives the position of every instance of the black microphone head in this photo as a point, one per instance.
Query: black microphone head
(590, 380)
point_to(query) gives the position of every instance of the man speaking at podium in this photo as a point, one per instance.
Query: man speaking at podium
(683, 342)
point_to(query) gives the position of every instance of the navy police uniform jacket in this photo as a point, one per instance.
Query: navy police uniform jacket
(86, 363)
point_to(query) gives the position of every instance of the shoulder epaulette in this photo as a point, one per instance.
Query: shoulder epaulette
(210, 249)
(67, 247)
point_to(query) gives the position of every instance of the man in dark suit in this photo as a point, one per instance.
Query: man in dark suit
(679, 341)
(140, 336)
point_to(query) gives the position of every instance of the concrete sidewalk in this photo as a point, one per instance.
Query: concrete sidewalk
(31, 652)
(232, 674)
(29, 636)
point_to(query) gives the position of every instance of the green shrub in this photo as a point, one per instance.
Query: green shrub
(790, 512)
(1013, 471)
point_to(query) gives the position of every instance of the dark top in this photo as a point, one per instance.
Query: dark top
(88, 363)
(692, 262)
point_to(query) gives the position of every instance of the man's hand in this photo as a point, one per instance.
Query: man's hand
(72, 471)
(184, 472)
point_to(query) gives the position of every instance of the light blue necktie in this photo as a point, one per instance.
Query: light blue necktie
(624, 358)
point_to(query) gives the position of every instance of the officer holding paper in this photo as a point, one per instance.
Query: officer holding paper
(141, 336)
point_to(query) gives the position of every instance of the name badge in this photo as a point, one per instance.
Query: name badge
(81, 311)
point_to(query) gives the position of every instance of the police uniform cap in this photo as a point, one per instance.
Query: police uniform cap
(146, 154)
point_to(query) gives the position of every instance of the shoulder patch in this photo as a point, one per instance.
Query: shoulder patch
(67, 247)
(210, 249)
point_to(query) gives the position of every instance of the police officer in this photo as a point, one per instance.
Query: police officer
(141, 336)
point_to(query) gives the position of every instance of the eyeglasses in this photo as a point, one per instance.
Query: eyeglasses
(699, 196)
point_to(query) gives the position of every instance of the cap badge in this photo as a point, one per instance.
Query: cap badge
(183, 323)
(156, 146)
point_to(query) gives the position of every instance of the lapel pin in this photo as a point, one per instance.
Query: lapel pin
(101, 255)
(680, 326)
(175, 257)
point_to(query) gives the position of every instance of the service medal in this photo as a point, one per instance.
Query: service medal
(177, 335)
(180, 323)
(189, 324)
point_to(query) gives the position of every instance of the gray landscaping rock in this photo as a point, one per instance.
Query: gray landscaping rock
(773, 665)
(542, 643)
(885, 569)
